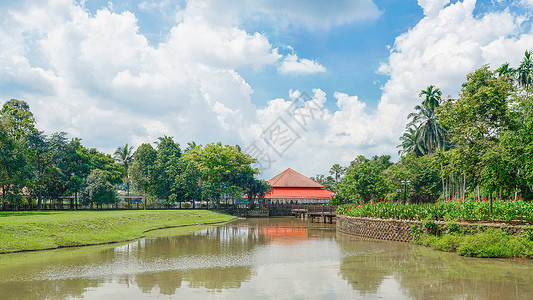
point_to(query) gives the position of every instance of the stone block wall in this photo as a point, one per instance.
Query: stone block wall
(391, 230)
(398, 230)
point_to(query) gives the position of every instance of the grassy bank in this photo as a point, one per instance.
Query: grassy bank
(24, 231)
(494, 243)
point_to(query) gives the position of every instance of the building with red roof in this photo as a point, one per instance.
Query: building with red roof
(291, 187)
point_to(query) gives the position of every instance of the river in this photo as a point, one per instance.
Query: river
(276, 258)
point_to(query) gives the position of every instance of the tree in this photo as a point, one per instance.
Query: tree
(17, 123)
(256, 188)
(17, 119)
(76, 168)
(142, 168)
(12, 169)
(524, 72)
(423, 174)
(432, 97)
(506, 71)
(113, 171)
(166, 168)
(363, 180)
(98, 190)
(336, 170)
(124, 156)
(409, 143)
(191, 145)
(430, 135)
(39, 160)
(186, 183)
(224, 167)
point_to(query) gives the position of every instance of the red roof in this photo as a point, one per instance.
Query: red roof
(291, 178)
(299, 193)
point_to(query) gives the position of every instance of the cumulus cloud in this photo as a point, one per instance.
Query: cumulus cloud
(293, 64)
(316, 14)
(432, 7)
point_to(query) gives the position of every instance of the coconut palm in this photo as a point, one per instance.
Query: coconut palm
(336, 170)
(506, 71)
(429, 134)
(409, 144)
(124, 155)
(432, 96)
(190, 146)
(524, 73)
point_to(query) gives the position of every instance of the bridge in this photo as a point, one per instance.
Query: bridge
(324, 212)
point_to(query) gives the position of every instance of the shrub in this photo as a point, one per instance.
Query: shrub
(452, 227)
(431, 227)
(490, 243)
(415, 231)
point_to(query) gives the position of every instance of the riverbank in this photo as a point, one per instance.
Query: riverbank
(41, 230)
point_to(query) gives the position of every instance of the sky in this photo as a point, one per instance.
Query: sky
(300, 84)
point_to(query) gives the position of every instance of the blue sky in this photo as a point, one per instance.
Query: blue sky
(116, 72)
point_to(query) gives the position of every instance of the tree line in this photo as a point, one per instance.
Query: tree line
(36, 169)
(477, 146)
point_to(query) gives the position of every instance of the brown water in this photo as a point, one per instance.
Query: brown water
(278, 258)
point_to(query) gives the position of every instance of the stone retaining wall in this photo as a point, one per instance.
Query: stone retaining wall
(398, 230)
(391, 230)
(250, 213)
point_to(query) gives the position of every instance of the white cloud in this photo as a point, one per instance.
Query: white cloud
(293, 64)
(527, 3)
(432, 7)
(316, 14)
(311, 15)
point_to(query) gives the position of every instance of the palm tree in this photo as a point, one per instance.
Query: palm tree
(506, 71)
(190, 146)
(429, 134)
(124, 155)
(524, 72)
(409, 144)
(336, 170)
(432, 96)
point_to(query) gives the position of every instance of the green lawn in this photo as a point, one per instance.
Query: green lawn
(38, 230)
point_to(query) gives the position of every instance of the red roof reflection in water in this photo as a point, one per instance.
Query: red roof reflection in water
(286, 234)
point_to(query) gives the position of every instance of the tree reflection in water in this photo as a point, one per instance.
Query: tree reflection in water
(424, 273)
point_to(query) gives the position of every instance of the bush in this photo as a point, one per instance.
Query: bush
(431, 227)
(452, 227)
(490, 243)
(448, 242)
(415, 231)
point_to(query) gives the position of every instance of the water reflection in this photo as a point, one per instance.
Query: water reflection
(423, 273)
(260, 258)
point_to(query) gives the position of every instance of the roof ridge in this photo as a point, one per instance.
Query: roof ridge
(292, 178)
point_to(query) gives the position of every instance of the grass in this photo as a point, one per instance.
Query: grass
(489, 243)
(26, 231)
